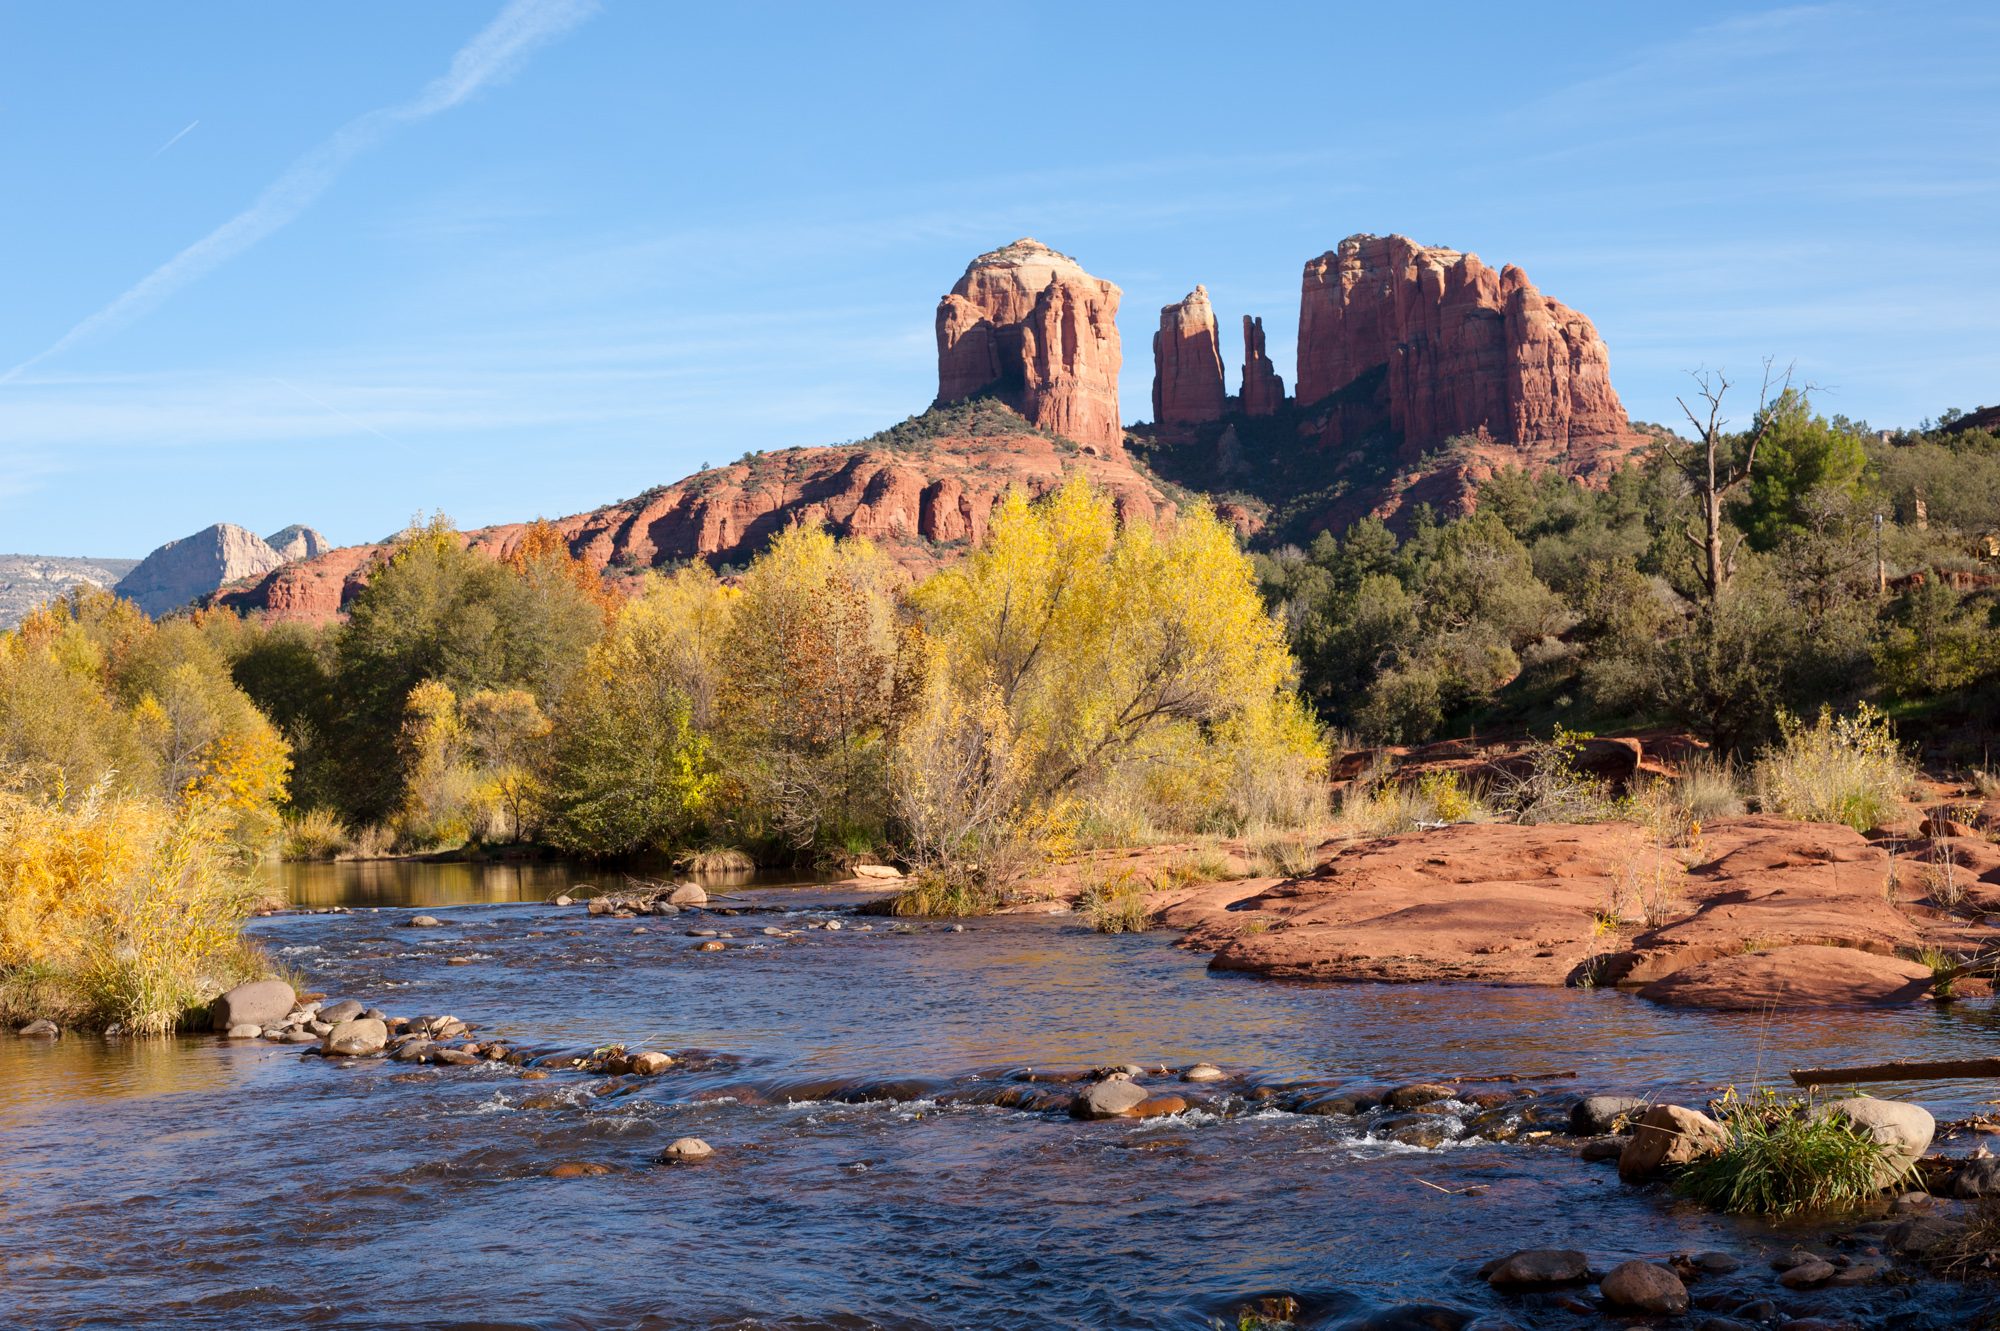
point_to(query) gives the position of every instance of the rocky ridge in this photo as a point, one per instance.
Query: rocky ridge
(183, 571)
(28, 582)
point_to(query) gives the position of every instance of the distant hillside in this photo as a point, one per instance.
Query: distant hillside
(182, 572)
(27, 581)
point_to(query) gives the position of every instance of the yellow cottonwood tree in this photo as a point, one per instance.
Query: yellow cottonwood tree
(1121, 653)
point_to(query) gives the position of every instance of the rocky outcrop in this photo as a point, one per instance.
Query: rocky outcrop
(181, 571)
(1029, 326)
(1429, 343)
(1764, 912)
(1187, 364)
(30, 581)
(298, 542)
(921, 504)
(1263, 388)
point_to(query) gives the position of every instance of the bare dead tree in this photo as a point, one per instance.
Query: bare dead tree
(1715, 474)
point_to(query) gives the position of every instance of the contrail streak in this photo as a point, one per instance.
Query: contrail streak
(175, 139)
(494, 54)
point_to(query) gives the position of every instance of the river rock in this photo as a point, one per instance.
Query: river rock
(683, 1150)
(1204, 1072)
(881, 871)
(456, 1058)
(1401, 1317)
(1599, 1149)
(1642, 1287)
(1419, 1093)
(1669, 1135)
(244, 1032)
(1808, 1273)
(579, 1169)
(412, 1050)
(688, 894)
(1977, 1178)
(564, 900)
(712, 945)
(258, 1003)
(356, 1038)
(1903, 1130)
(601, 906)
(1535, 1267)
(425, 922)
(1596, 1115)
(1118, 1097)
(650, 1062)
(345, 1010)
(40, 1029)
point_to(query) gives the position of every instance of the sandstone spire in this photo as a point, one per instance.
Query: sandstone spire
(1263, 388)
(1031, 327)
(1187, 364)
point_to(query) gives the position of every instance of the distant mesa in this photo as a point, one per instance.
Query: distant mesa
(28, 582)
(182, 572)
(1403, 349)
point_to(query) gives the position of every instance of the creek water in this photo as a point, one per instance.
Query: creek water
(202, 1183)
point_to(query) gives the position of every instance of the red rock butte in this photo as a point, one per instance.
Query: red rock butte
(1029, 326)
(1465, 350)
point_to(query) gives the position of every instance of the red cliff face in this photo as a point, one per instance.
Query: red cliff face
(922, 506)
(1187, 364)
(1263, 388)
(1432, 343)
(1028, 325)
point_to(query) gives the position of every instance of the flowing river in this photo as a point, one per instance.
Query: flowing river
(202, 1183)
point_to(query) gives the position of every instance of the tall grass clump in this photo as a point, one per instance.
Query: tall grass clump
(1115, 903)
(1839, 769)
(946, 893)
(1707, 788)
(1784, 1157)
(316, 834)
(118, 909)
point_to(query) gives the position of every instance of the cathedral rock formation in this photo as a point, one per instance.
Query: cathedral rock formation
(1187, 364)
(1432, 343)
(1029, 326)
(1263, 388)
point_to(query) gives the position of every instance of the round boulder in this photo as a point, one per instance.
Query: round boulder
(1596, 1115)
(1666, 1136)
(258, 1003)
(40, 1029)
(1979, 1177)
(1531, 1268)
(1903, 1131)
(650, 1062)
(355, 1038)
(1204, 1072)
(688, 894)
(1116, 1098)
(684, 1150)
(345, 1009)
(1642, 1287)
(425, 922)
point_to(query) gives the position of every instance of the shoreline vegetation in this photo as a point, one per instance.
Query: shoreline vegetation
(1021, 725)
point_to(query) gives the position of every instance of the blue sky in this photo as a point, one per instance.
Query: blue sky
(338, 263)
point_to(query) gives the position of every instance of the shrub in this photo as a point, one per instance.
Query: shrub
(316, 834)
(1387, 808)
(1783, 1158)
(946, 893)
(719, 860)
(118, 909)
(1846, 769)
(1553, 790)
(1116, 903)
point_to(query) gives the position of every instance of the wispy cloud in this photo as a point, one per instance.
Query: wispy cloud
(175, 139)
(492, 55)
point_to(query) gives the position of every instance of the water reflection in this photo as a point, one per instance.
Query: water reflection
(419, 883)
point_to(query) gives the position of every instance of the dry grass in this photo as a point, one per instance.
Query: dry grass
(719, 860)
(1285, 854)
(316, 834)
(118, 910)
(1846, 769)
(1708, 788)
(1387, 808)
(1115, 903)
